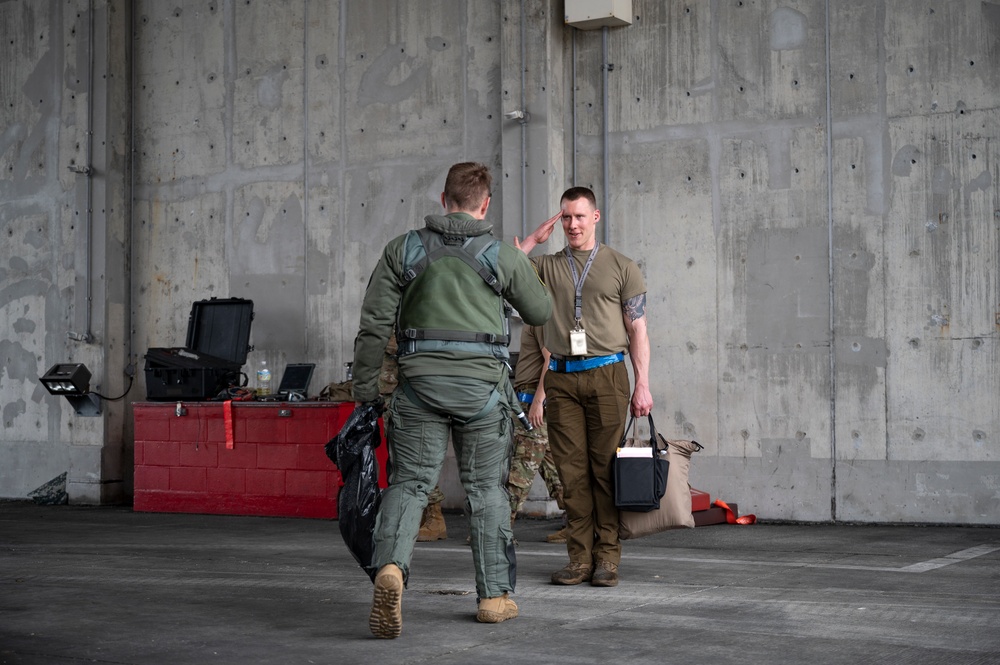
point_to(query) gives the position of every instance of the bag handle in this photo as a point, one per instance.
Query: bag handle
(628, 429)
(653, 438)
(653, 442)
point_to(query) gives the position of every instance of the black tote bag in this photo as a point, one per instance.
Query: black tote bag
(640, 471)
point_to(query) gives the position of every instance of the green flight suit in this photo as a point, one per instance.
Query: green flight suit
(445, 388)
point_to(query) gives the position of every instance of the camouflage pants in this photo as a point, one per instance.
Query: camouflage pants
(531, 455)
(435, 496)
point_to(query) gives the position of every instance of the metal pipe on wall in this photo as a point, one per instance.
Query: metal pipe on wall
(605, 217)
(573, 82)
(829, 223)
(305, 155)
(130, 205)
(87, 171)
(90, 171)
(524, 132)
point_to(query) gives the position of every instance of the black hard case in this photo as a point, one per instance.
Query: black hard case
(218, 341)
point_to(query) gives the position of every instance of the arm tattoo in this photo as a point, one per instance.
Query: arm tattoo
(635, 308)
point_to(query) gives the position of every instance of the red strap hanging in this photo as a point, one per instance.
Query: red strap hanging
(731, 517)
(227, 413)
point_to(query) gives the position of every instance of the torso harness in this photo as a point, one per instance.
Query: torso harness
(422, 248)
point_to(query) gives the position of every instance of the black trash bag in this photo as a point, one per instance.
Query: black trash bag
(353, 451)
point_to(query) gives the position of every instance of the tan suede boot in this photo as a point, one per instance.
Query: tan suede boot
(386, 618)
(605, 574)
(495, 610)
(573, 573)
(557, 536)
(432, 525)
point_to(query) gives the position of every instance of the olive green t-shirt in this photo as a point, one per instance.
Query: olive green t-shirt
(612, 280)
(529, 361)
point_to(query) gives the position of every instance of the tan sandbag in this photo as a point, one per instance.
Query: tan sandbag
(675, 506)
(338, 392)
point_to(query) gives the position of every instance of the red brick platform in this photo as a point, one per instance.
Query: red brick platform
(276, 465)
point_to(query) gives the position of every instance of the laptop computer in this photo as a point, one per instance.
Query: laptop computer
(295, 380)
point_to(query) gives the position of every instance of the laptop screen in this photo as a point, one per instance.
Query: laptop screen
(296, 378)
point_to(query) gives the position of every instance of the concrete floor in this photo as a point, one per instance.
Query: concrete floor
(108, 585)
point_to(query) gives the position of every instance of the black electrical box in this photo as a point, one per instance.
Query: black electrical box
(212, 359)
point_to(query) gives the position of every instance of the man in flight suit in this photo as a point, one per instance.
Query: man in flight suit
(443, 287)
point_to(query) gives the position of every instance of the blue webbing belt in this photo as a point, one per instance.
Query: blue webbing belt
(565, 365)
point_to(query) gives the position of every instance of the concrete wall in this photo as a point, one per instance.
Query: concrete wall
(64, 210)
(809, 186)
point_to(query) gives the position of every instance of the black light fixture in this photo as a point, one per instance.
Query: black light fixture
(72, 381)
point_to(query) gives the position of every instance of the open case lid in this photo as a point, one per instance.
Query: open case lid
(220, 327)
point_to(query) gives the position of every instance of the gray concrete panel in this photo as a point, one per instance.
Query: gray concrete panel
(181, 97)
(944, 288)
(180, 257)
(663, 66)
(266, 257)
(857, 74)
(940, 58)
(769, 60)
(785, 480)
(666, 226)
(267, 54)
(404, 81)
(913, 491)
(28, 464)
(322, 97)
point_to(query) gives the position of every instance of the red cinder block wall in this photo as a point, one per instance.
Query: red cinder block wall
(276, 466)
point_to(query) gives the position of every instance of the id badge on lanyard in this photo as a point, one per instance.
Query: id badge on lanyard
(578, 336)
(578, 341)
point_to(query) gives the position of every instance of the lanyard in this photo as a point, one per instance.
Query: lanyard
(578, 280)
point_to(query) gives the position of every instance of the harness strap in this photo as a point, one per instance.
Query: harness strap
(468, 250)
(451, 336)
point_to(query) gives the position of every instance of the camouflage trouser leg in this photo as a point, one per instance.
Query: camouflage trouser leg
(436, 496)
(531, 454)
(551, 477)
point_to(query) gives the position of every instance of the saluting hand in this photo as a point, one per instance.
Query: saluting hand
(540, 235)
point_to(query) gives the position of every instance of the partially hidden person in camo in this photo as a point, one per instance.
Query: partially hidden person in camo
(531, 448)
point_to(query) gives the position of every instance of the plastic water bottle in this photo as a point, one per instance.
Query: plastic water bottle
(263, 379)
